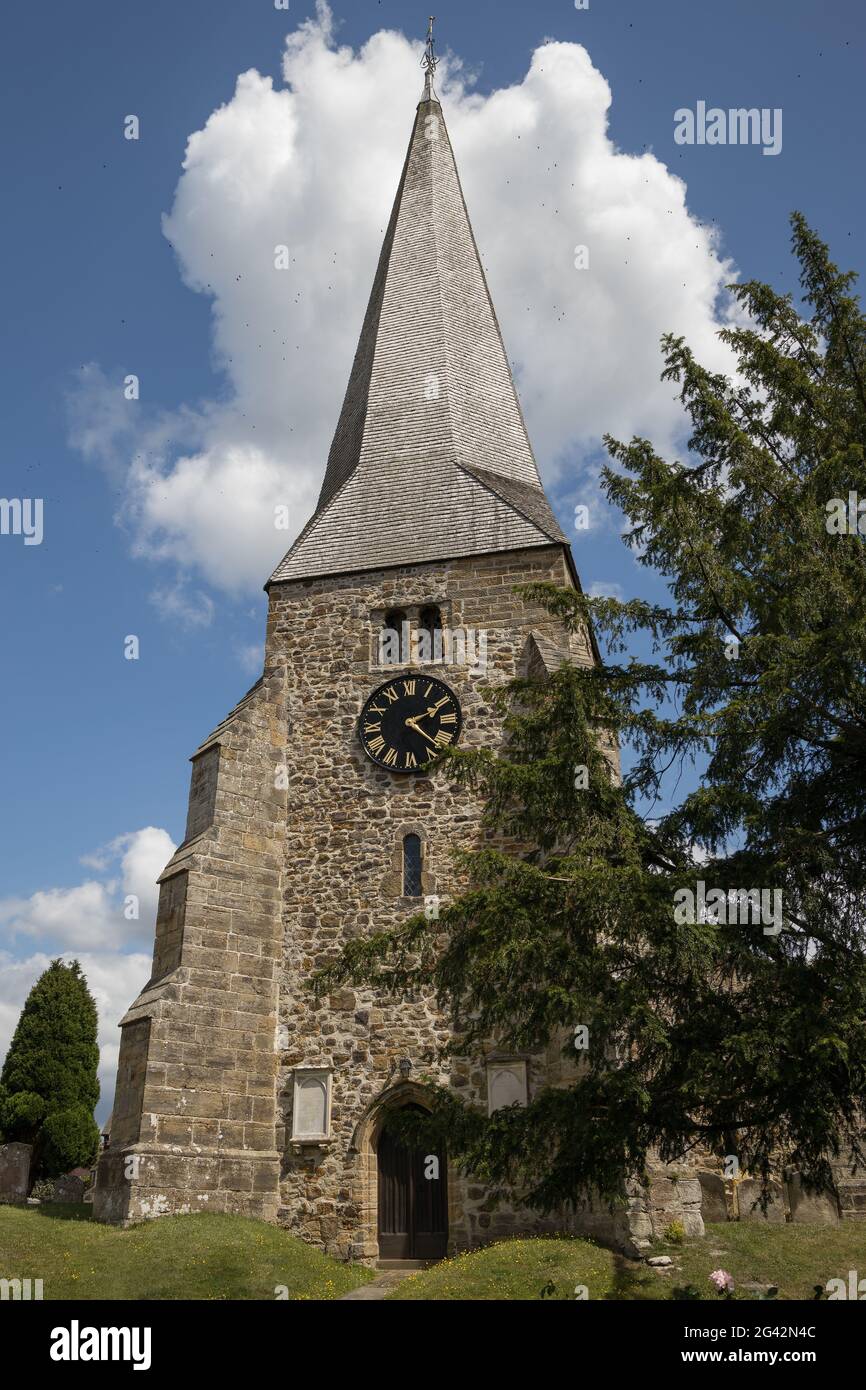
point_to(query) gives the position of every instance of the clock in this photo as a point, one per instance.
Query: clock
(407, 722)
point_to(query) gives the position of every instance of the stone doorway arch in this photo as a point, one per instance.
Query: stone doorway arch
(365, 1144)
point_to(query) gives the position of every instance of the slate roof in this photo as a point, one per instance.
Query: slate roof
(430, 459)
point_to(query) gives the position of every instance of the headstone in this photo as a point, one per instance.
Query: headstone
(15, 1171)
(749, 1200)
(814, 1208)
(69, 1188)
(714, 1207)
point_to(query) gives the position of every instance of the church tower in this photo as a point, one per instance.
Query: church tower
(317, 812)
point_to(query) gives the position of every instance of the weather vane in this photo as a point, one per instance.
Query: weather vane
(429, 62)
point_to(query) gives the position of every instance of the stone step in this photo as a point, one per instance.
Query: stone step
(405, 1266)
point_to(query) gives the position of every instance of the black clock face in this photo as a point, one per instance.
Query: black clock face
(408, 722)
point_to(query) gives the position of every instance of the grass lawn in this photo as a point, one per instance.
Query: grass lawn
(208, 1256)
(793, 1257)
(519, 1269)
(205, 1256)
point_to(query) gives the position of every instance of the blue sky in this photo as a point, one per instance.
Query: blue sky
(96, 746)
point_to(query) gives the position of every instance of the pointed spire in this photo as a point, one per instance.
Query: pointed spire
(429, 62)
(430, 459)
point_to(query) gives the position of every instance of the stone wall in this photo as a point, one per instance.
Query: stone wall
(347, 819)
(194, 1112)
(170, 918)
(131, 1078)
(203, 785)
(850, 1185)
(294, 842)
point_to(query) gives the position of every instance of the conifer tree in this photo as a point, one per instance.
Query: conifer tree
(49, 1086)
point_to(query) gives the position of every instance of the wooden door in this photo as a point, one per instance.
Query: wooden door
(413, 1202)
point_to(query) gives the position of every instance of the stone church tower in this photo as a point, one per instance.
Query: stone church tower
(311, 822)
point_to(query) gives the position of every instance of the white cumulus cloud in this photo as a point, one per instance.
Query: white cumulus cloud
(93, 914)
(87, 922)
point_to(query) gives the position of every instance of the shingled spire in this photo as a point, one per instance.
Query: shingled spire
(430, 459)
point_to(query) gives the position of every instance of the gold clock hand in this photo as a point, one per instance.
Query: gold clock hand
(413, 725)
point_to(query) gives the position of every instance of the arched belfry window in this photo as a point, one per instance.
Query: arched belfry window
(391, 642)
(430, 634)
(411, 866)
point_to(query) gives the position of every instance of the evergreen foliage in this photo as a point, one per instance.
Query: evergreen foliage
(49, 1086)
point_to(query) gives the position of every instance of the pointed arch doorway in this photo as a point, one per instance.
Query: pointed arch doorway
(413, 1201)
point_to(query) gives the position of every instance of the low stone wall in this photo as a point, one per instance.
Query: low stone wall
(670, 1193)
(851, 1187)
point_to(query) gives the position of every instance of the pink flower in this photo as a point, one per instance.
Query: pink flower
(722, 1280)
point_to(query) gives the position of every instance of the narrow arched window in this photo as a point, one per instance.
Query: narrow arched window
(391, 639)
(430, 634)
(411, 866)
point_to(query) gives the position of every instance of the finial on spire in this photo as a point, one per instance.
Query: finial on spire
(429, 62)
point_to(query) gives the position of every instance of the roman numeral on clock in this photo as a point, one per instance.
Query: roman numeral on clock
(373, 728)
(376, 744)
(390, 757)
(409, 687)
(443, 738)
(448, 719)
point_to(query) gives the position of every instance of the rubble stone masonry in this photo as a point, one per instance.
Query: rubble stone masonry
(295, 846)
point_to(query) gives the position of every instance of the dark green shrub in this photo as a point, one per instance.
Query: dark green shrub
(49, 1086)
(68, 1139)
(21, 1114)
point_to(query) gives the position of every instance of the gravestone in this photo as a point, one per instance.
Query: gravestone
(749, 1200)
(69, 1188)
(15, 1171)
(814, 1208)
(714, 1206)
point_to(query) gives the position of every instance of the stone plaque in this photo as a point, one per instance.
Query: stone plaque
(311, 1111)
(506, 1084)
